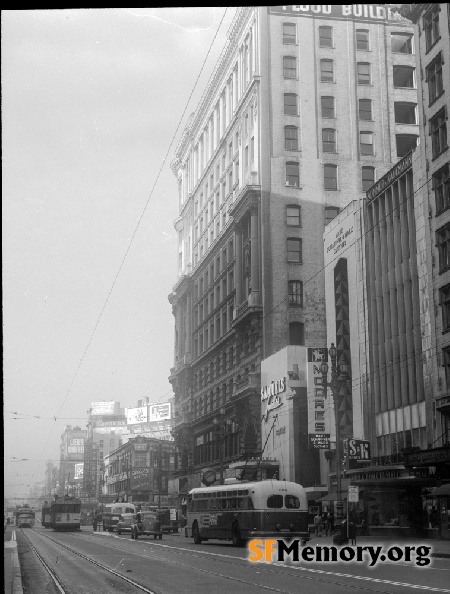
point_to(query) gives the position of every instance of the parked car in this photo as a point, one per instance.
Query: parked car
(125, 522)
(146, 524)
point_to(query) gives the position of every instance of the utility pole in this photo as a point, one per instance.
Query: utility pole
(160, 474)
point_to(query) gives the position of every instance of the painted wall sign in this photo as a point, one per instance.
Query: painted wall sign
(364, 12)
(271, 395)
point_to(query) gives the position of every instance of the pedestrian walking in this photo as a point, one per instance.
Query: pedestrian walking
(325, 523)
(331, 522)
(318, 524)
(94, 523)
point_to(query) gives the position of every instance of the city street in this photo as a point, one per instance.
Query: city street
(175, 565)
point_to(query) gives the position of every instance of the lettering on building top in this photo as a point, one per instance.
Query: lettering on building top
(390, 177)
(360, 12)
(270, 394)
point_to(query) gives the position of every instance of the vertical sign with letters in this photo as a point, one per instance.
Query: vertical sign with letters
(318, 403)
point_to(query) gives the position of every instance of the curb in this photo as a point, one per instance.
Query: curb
(17, 587)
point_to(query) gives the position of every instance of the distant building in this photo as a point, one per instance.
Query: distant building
(71, 454)
(139, 471)
(307, 107)
(106, 427)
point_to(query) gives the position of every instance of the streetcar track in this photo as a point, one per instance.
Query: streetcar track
(230, 559)
(86, 558)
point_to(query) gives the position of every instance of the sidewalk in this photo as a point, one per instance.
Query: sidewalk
(11, 567)
(440, 548)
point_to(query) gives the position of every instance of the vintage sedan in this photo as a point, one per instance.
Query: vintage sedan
(146, 523)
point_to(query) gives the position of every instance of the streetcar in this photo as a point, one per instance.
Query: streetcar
(24, 516)
(46, 518)
(65, 512)
(240, 511)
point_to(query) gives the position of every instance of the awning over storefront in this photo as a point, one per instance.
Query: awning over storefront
(314, 494)
(330, 497)
(443, 491)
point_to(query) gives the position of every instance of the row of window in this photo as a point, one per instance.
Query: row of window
(404, 112)
(403, 76)
(330, 174)
(401, 43)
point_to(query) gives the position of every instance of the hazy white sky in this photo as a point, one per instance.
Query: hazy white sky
(91, 99)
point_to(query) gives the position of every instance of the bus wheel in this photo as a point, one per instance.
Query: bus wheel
(236, 536)
(196, 534)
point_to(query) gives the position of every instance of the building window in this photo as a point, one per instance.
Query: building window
(363, 73)
(405, 143)
(431, 26)
(366, 143)
(292, 174)
(434, 79)
(330, 177)
(290, 104)
(368, 178)
(362, 39)
(444, 294)
(326, 71)
(294, 250)
(296, 333)
(289, 67)
(405, 113)
(289, 33)
(365, 109)
(327, 105)
(291, 138)
(438, 132)
(443, 245)
(441, 187)
(402, 43)
(446, 358)
(331, 212)
(295, 293)
(329, 140)
(293, 216)
(404, 77)
(326, 36)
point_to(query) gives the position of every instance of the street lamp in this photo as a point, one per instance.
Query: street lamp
(338, 378)
(221, 427)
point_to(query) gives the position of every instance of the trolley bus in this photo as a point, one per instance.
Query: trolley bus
(241, 511)
(46, 518)
(65, 513)
(24, 516)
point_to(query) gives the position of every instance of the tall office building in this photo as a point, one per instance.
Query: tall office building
(307, 107)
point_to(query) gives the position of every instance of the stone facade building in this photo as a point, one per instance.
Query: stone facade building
(307, 107)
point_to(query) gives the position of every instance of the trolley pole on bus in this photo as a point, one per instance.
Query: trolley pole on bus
(338, 379)
(221, 426)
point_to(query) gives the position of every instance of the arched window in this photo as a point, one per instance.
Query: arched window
(293, 215)
(294, 250)
(326, 36)
(326, 71)
(289, 67)
(327, 105)
(290, 104)
(330, 176)
(329, 140)
(368, 177)
(291, 138)
(289, 33)
(292, 174)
